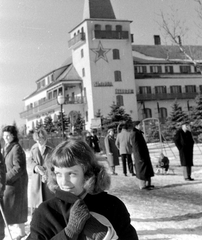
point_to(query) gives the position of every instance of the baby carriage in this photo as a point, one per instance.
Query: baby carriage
(163, 164)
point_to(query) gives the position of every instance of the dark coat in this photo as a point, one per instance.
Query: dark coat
(89, 140)
(185, 144)
(2, 174)
(96, 146)
(143, 165)
(50, 219)
(111, 150)
(39, 191)
(15, 195)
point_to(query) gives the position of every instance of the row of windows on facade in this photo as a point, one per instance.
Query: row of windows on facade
(162, 113)
(173, 89)
(185, 69)
(98, 27)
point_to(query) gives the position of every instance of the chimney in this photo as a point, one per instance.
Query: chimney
(157, 40)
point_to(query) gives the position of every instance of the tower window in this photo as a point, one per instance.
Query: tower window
(108, 27)
(83, 72)
(117, 76)
(118, 28)
(97, 27)
(119, 100)
(116, 54)
(82, 54)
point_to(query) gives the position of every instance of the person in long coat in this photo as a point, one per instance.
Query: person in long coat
(95, 140)
(111, 151)
(38, 160)
(143, 165)
(184, 142)
(123, 143)
(15, 198)
(2, 188)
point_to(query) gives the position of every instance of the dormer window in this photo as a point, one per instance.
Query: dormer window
(118, 28)
(97, 27)
(108, 27)
(155, 69)
(185, 69)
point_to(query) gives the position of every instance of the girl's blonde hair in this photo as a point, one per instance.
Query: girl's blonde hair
(77, 152)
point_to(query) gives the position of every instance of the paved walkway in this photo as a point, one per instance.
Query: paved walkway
(173, 210)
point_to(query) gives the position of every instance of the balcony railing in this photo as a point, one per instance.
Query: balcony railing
(78, 38)
(98, 34)
(49, 105)
(165, 96)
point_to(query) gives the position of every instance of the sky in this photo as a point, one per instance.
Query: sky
(34, 38)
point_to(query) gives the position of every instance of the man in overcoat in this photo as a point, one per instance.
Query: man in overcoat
(185, 144)
(143, 165)
(123, 143)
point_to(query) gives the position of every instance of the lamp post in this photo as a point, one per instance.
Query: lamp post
(61, 100)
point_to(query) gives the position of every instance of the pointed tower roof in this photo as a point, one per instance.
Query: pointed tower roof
(98, 9)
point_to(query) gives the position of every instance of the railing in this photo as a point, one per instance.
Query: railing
(165, 96)
(79, 37)
(49, 105)
(98, 34)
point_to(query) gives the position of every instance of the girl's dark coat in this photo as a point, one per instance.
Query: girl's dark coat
(144, 169)
(50, 219)
(185, 144)
(15, 195)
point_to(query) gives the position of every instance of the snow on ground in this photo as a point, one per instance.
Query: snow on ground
(172, 211)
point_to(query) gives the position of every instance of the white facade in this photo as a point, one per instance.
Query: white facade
(105, 67)
(103, 62)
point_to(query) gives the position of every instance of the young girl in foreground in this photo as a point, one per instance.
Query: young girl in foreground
(81, 209)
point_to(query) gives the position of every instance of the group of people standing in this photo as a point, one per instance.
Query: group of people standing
(130, 145)
(132, 148)
(68, 191)
(14, 182)
(68, 196)
(14, 201)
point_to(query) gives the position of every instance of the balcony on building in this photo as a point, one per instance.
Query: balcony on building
(165, 96)
(77, 40)
(100, 34)
(50, 105)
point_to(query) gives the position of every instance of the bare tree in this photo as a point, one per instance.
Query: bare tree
(175, 29)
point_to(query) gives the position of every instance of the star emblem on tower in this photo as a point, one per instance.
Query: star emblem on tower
(101, 53)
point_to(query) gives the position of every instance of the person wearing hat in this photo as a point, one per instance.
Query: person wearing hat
(185, 144)
(111, 151)
(143, 165)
